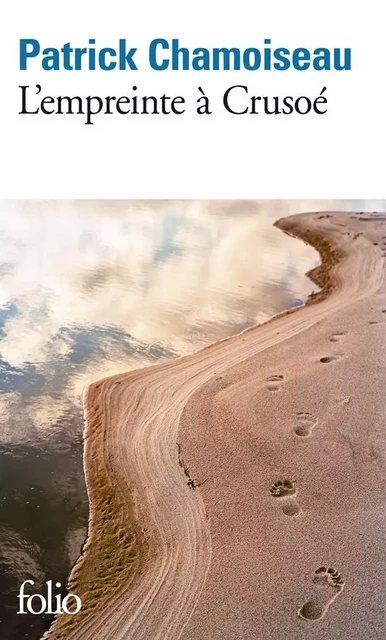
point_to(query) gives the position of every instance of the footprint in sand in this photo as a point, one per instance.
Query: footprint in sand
(337, 336)
(327, 359)
(329, 585)
(285, 491)
(274, 382)
(305, 424)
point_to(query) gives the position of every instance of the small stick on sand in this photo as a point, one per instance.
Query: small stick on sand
(182, 463)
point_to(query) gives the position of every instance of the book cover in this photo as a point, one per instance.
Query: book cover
(192, 321)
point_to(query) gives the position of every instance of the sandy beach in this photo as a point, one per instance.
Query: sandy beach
(282, 432)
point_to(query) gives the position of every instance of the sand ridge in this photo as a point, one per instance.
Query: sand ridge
(192, 580)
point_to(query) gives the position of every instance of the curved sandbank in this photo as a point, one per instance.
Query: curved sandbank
(225, 560)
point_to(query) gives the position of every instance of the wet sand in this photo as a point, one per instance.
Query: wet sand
(285, 427)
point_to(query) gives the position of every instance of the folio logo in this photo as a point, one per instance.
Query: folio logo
(47, 604)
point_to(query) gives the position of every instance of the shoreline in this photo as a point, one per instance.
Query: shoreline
(114, 512)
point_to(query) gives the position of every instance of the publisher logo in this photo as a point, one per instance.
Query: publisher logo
(36, 603)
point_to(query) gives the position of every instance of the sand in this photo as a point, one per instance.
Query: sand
(285, 427)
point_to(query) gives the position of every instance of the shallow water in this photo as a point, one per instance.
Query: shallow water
(88, 289)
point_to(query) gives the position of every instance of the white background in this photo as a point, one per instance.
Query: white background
(339, 155)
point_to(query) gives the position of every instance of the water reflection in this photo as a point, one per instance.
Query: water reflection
(88, 289)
